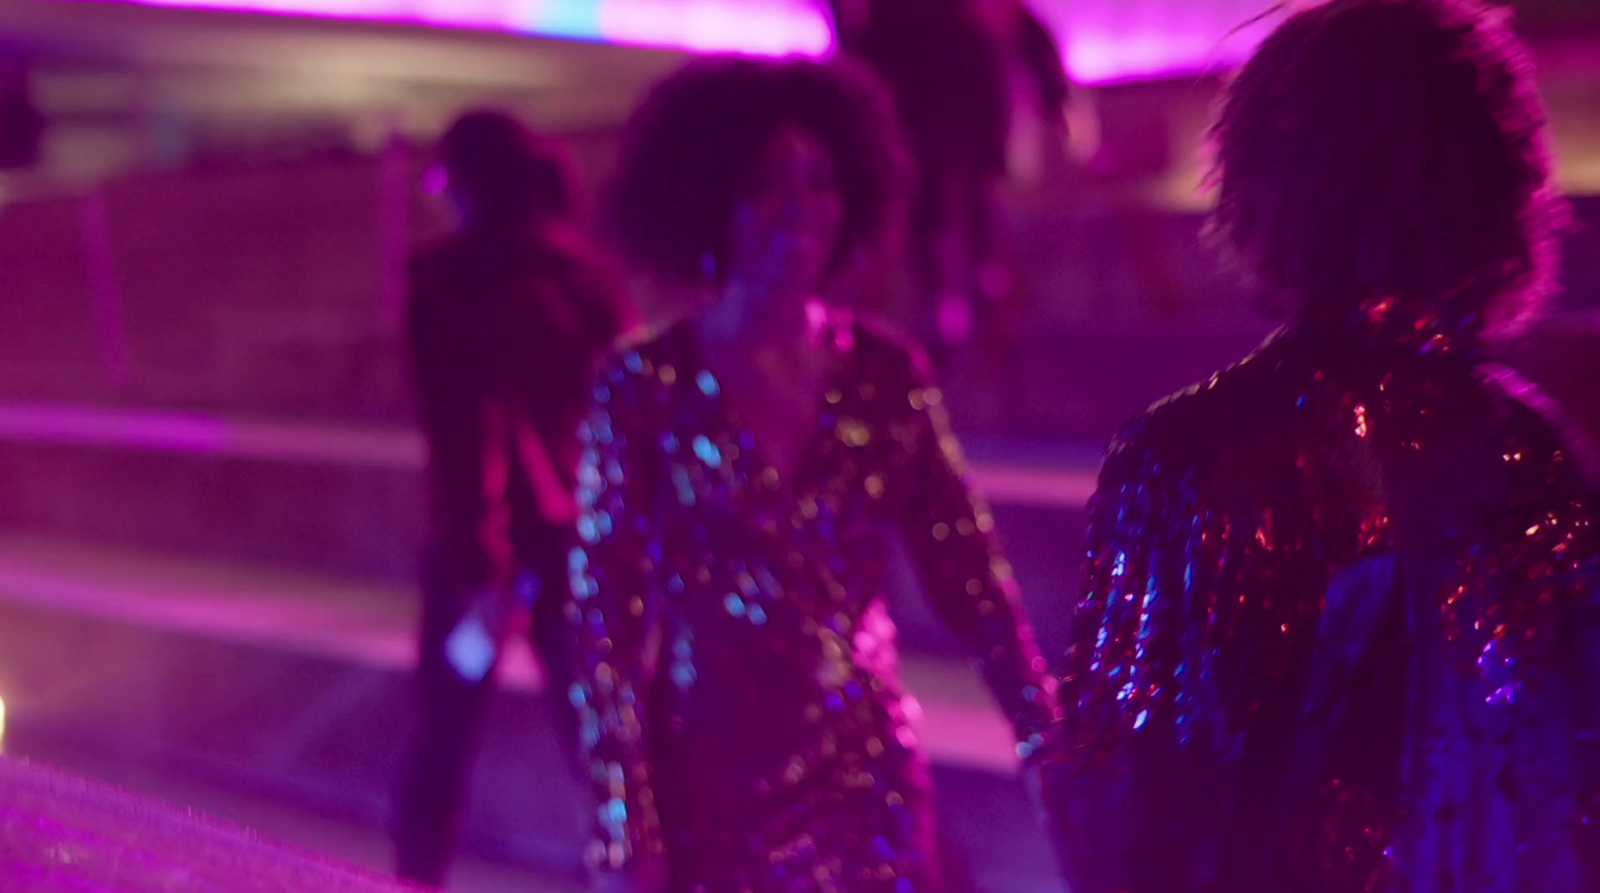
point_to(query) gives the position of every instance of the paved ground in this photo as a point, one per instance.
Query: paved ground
(352, 842)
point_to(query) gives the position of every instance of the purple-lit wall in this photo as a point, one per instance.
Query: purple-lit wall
(1104, 40)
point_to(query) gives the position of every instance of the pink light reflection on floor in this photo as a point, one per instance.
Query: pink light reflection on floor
(375, 626)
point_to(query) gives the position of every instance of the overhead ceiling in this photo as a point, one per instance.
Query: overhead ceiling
(755, 26)
(109, 71)
(1102, 40)
(1119, 40)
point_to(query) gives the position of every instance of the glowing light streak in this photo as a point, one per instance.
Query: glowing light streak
(1102, 40)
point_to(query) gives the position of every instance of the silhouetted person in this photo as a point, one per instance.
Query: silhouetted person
(972, 80)
(1040, 85)
(1340, 626)
(21, 124)
(945, 68)
(506, 320)
(1041, 57)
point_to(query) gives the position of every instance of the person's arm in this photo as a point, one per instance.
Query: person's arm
(1141, 783)
(950, 535)
(613, 621)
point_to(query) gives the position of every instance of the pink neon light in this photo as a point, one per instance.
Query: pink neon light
(769, 28)
(1103, 40)
(1115, 40)
(757, 27)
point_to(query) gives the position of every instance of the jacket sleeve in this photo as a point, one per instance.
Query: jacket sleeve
(950, 534)
(612, 615)
(1136, 783)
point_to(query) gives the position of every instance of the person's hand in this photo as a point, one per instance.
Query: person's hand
(474, 643)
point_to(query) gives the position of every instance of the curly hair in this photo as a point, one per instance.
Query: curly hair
(1391, 149)
(692, 144)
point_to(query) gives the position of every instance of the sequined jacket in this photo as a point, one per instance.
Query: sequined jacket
(741, 691)
(1337, 634)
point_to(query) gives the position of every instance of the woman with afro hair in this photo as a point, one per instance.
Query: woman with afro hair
(743, 472)
(1339, 628)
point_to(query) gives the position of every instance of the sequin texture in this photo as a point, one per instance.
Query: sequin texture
(1338, 632)
(740, 685)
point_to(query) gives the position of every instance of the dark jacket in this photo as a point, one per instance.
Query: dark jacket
(503, 334)
(1339, 633)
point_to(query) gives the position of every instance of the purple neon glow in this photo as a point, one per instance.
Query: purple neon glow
(757, 27)
(1114, 40)
(1104, 40)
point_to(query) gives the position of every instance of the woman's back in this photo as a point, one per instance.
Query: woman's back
(1332, 591)
(1335, 635)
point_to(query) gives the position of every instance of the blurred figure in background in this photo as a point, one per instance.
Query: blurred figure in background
(981, 89)
(743, 470)
(21, 124)
(1038, 86)
(506, 321)
(945, 68)
(1340, 627)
